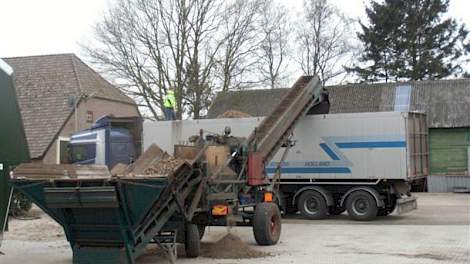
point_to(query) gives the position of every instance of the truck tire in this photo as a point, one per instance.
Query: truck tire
(361, 206)
(267, 224)
(192, 244)
(312, 205)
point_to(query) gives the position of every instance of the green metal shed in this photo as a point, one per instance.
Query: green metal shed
(449, 150)
(13, 145)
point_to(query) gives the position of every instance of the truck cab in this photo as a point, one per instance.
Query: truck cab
(110, 140)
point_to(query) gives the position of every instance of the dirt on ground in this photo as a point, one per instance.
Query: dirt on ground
(34, 226)
(230, 247)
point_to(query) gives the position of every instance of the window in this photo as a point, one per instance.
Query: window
(402, 98)
(82, 152)
(89, 116)
(62, 150)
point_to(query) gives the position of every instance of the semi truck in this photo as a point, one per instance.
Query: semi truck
(362, 163)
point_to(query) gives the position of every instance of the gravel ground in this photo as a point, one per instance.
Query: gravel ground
(438, 232)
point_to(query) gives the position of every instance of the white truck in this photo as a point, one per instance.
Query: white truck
(360, 162)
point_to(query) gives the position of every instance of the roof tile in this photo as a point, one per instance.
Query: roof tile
(446, 102)
(44, 86)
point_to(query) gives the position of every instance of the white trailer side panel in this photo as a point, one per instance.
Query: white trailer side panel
(336, 146)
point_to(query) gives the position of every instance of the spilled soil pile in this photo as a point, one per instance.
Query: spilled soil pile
(230, 247)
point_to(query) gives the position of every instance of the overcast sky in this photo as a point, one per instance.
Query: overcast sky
(32, 27)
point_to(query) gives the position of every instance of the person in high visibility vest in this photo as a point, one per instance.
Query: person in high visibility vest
(169, 103)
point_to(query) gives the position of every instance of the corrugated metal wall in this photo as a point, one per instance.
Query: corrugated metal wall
(441, 183)
(448, 150)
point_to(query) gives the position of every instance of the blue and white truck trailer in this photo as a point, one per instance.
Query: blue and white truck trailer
(362, 163)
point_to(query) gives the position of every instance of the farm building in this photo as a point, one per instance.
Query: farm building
(446, 103)
(58, 95)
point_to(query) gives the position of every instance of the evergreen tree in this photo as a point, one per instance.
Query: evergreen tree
(411, 40)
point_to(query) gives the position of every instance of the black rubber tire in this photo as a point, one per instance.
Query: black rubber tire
(192, 244)
(336, 210)
(267, 224)
(201, 230)
(361, 206)
(312, 205)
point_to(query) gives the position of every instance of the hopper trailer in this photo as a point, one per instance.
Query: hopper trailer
(362, 163)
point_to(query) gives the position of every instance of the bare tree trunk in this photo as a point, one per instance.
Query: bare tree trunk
(324, 40)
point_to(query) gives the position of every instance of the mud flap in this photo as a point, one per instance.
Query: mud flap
(406, 204)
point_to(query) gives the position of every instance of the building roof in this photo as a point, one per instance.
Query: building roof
(45, 86)
(446, 102)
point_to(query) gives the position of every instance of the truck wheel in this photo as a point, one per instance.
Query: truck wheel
(312, 205)
(267, 224)
(192, 243)
(361, 206)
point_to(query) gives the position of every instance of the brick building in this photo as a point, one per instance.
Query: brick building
(58, 95)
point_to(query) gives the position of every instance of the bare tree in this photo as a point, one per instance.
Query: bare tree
(195, 46)
(325, 40)
(273, 54)
(236, 59)
(202, 48)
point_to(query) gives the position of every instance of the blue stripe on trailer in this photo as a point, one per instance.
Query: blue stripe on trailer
(330, 152)
(376, 144)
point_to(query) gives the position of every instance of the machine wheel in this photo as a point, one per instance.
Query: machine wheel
(336, 210)
(312, 205)
(361, 206)
(201, 230)
(267, 224)
(192, 243)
